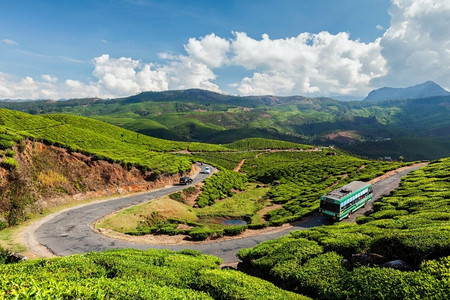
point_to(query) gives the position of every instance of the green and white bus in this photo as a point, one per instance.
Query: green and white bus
(341, 202)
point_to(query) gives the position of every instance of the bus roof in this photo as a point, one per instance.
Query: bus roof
(347, 189)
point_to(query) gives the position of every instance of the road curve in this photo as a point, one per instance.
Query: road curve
(70, 232)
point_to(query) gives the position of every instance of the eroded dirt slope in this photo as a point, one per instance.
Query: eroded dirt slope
(50, 176)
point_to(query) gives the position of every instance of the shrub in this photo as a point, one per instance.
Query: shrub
(9, 153)
(176, 196)
(234, 230)
(257, 225)
(4, 253)
(202, 233)
(3, 225)
(219, 186)
(375, 283)
(346, 244)
(317, 275)
(229, 284)
(6, 144)
(22, 146)
(9, 163)
(413, 246)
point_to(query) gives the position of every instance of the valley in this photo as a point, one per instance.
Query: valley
(390, 128)
(273, 186)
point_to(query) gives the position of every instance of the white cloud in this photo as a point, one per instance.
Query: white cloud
(320, 63)
(415, 48)
(125, 76)
(210, 50)
(49, 78)
(184, 72)
(379, 27)
(417, 44)
(9, 42)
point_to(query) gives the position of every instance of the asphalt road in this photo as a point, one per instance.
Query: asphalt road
(70, 232)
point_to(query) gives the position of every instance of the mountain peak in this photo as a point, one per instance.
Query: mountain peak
(423, 90)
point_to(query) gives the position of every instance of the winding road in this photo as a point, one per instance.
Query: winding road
(68, 232)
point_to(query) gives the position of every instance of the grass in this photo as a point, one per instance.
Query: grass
(242, 205)
(129, 218)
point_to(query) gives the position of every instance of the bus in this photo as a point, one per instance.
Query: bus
(342, 202)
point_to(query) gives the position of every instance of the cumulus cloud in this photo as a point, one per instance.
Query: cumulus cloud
(417, 44)
(210, 50)
(415, 48)
(320, 63)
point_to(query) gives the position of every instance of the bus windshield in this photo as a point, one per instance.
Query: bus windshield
(333, 207)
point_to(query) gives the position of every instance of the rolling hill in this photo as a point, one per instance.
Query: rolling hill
(203, 116)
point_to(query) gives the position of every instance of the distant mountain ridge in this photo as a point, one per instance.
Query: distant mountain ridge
(423, 90)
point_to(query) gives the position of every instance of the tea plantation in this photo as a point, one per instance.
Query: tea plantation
(133, 274)
(299, 178)
(102, 140)
(412, 225)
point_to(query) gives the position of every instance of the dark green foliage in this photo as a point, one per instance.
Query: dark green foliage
(234, 230)
(3, 225)
(207, 117)
(317, 276)
(5, 144)
(411, 224)
(219, 186)
(413, 246)
(300, 178)
(132, 274)
(9, 163)
(376, 283)
(229, 284)
(260, 143)
(257, 225)
(4, 253)
(176, 196)
(9, 153)
(202, 233)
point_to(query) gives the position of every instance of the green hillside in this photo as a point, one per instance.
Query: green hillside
(411, 224)
(260, 143)
(203, 116)
(102, 140)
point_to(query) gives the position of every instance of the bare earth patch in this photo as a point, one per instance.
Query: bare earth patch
(239, 166)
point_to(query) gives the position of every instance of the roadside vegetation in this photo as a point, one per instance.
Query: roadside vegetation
(272, 188)
(133, 274)
(170, 215)
(349, 260)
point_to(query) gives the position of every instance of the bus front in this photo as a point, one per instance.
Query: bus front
(329, 207)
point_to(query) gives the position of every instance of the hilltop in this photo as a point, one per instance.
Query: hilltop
(423, 90)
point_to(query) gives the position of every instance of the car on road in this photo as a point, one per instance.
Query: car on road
(186, 180)
(206, 170)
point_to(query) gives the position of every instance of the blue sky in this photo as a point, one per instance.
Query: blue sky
(58, 49)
